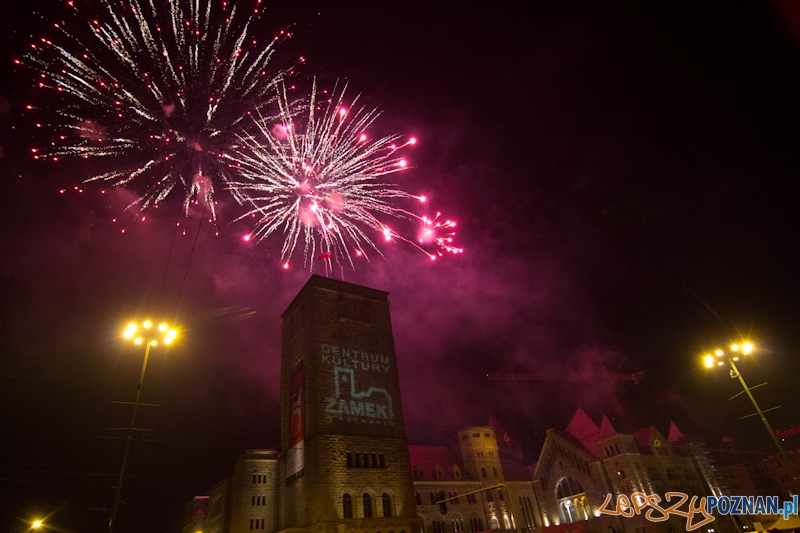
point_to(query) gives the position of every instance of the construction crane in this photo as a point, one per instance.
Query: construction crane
(606, 377)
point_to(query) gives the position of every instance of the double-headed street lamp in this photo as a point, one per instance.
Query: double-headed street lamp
(149, 335)
(720, 358)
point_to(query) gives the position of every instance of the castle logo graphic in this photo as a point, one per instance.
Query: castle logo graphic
(373, 406)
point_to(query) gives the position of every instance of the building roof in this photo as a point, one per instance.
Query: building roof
(582, 428)
(675, 435)
(427, 457)
(606, 429)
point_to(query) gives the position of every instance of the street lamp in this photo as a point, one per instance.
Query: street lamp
(33, 525)
(149, 335)
(721, 357)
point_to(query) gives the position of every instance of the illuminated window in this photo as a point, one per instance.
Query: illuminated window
(572, 505)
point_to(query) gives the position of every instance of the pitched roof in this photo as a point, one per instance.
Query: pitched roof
(428, 457)
(606, 429)
(585, 431)
(675, 434)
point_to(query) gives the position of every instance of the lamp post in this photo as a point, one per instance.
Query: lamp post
(148, 335)
(719, 358)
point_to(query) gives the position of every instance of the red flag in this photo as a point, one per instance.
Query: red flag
(326, 255)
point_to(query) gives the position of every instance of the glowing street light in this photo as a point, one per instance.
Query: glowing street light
(144, 333)
(720, 358)
(33, 525)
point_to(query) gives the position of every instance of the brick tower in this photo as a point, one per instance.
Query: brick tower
(345, 463)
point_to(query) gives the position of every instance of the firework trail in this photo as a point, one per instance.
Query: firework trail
(313, 175)
(153, 88)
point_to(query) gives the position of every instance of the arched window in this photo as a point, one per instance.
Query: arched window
(387, 504)
(367, 499)
(500, 495)
(489, 497)
(347, 506)
(495, 523)
(572, 505)
(418, 498)
(483, 471)
(495, 471)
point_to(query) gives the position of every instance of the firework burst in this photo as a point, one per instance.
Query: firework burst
(439, 235)
(153, 88)
(315, 176)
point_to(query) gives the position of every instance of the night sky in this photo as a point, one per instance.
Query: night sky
(624, 177)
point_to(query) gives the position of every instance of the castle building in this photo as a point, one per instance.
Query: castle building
(580, 466)
(345, 465)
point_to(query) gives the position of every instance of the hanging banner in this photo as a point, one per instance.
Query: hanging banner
(297, 424)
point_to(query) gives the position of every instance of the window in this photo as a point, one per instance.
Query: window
(418, 498)
(486, 435)
(367, 499)
(433, 498)
(476, 435)
(495, 471)
(349, 460)
(382, 460)
(500, 495)
(387, 504)
(489, 497)
(572, 504)
(347, 506)
(483, 471)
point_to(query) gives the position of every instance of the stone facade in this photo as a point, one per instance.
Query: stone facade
(345, 464)
(580, 466)
(487, 483)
